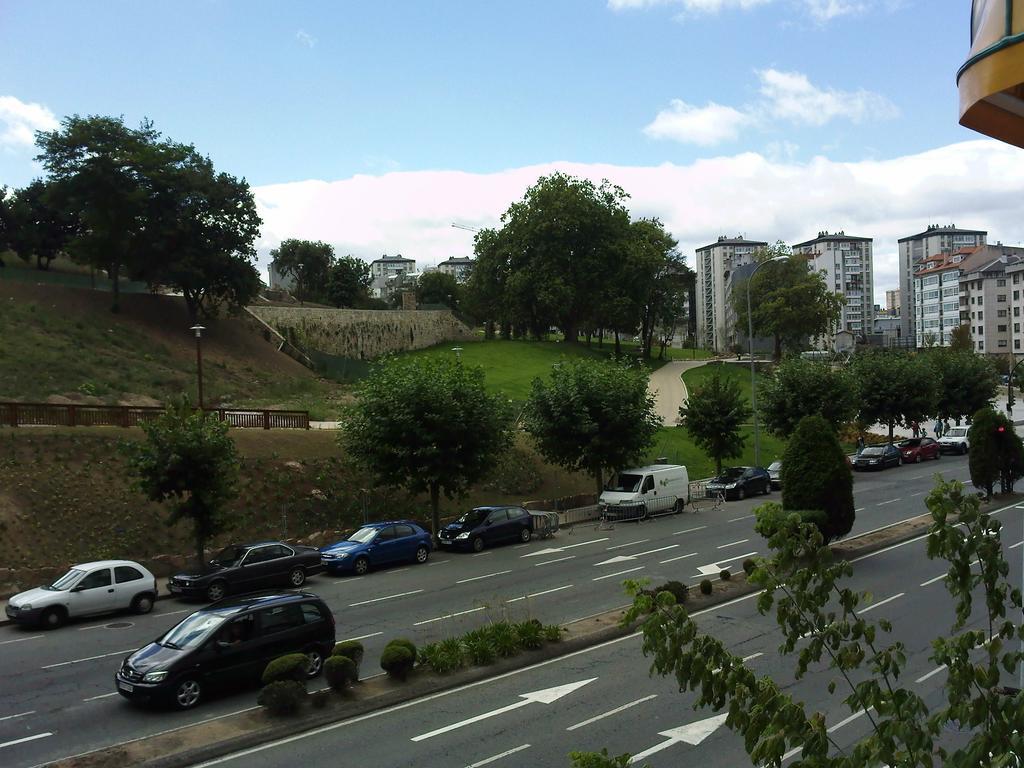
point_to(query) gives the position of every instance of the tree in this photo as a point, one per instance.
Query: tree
(485, 290)
(802, 581)
(188, 458)
(437, 288)
(965, 382)
(308, 262)
(592, 416)
(996, 451)
(894, 387)
(5, 222)
(713, 415)
(799, 388)
(348, 282)
(36, 226)
(427, 424)
(960, 339)
(788, 301)
(815, 476)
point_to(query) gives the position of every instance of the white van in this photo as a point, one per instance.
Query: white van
(651, 490)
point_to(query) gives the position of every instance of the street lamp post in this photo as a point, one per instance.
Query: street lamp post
(298, 281)
(458, 354)
(750, 349)
(198, 330)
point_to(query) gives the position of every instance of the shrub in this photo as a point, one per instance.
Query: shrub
(282, 697)
(676, 588)
(444, 656)
(409, 644)
(553, 633)
(340, 672)
(815, 476)
(749, 565)
(290, 667)
(429, 656)
(319, 699)
(479, 647)
(351, 648)
(504, 638)
(725, 575)
(706, 586)
(397, 661)
(530, 634)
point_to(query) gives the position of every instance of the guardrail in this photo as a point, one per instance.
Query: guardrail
(14, 414)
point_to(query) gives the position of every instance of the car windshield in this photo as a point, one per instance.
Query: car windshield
(733, 473)
(625, 482)
(474, 517)
(363, 535)
(775, 466)
(956, 432)
(194, 630)
(876, 451)
(228, 556)
(66, 581)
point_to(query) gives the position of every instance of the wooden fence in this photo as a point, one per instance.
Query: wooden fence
(56, 415)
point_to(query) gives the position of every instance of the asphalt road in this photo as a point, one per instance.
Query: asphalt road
(56, 689)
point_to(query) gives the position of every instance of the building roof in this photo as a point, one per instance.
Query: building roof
(824, 237)
(947, 229)
(393, 259)
(987, 257)
(456, 261)
(723, 240)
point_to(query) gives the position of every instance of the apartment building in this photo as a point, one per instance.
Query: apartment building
(892, 302)
(846, 263)
(937, 297)
(714, 266)
(937, 239)
(986, 297)
(386, 271)
(458, 267)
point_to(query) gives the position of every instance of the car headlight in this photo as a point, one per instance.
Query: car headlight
(341, 555)
(731, 486)
(463, 535)
(25, 607)
(154, 677)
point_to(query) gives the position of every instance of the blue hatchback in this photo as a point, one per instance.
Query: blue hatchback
(378, 544)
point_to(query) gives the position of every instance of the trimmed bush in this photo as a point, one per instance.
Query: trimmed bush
(282, 697)
(725, 575)
(749, 565)
(340, 672)
(292, 666)
(351, 648)
(815, 476)
(678, 590)
(504, 638)
(706, 586)
(397, 661)
(479, 648)
(553, 633)
(319, 699)
(530, 634)
(405, 644)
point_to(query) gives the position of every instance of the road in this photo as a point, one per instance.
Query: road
(56, 689)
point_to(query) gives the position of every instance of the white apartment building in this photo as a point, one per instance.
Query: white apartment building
(714, 265)
(935, 240)
(386, 270)
(846, 263)
(1015, 275)
(937, 298)
(458, 267)
(986, 297)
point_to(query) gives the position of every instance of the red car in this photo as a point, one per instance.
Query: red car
(917, 449)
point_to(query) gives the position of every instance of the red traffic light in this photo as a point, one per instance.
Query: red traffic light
(1000, 428)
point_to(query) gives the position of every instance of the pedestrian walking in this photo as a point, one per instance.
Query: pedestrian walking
(938, 428)
(916, 428)
(860, 444)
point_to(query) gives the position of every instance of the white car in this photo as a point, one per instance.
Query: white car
(955, 441)
(86, 590)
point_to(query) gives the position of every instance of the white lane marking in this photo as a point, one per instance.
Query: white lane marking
(538, 594)
(438, 562)
(752, 656)
(619, 573)
(890, 501)
(859, 509)
(1014, 546)
(27, 738)
(847, 720)
(20, 639)
(732, 543)
(477, 578)
(932, 581)
(447, 616)
(584, 543)
(95, 626)
(397, 570)
(481, 554)
(362, 637)
(611, 712)
(556, 560)
(388, 597)
(88, 658)
(652, 551)
(628, 544)
(690, 530)
(172, 613)
(521, 546)
(931, 674)
(882, 602)
(681, 557)
(745, 517)
(556, 550)
(919, 493)
(506, 753)
(101, 696)
(20, 714)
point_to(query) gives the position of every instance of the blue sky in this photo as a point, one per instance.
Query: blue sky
(398, 107)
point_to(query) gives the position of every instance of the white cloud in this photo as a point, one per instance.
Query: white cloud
(696, 6)
(791, 96)
(819, 10)
(305, 38)
(826, 10)
(19, 121)
(704, 126)
(975, 184)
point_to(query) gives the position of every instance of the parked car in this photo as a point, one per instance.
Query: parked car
(484, 526)
(242, 568)
(378, 544)
(740, 482)
(917, 449)
(88, 589)
(877, 457)
(775, 473)
(654, 489)
(955, 441)
(227, 645)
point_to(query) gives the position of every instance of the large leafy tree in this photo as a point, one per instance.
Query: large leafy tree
(997, 453)
(965, 382)
(36, 227)
(816, 477)
(894, 388)
(960, 339)
(788, 301)
(592, 416)
(427, 424)
(189, 459)
(799, 388)
(713, 415)
(348, 282)
(485, 293)
(308, 262)
(438, 288)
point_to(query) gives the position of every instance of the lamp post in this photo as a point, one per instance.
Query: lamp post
(750, 349)
(198, 330)
(458, 354)
(298, 281)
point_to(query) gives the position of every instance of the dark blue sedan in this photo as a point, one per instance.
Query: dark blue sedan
(483, 526)
(377, 544)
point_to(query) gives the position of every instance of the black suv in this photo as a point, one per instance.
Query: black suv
(242, 568)
(228, 645)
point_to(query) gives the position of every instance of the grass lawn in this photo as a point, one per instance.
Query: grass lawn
(675, 444)
(738, 372)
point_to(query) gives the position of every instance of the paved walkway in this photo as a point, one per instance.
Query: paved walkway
(666, 384)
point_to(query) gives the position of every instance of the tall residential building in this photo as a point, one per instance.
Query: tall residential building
(714, 265)
(937, 297)
(846, 263)
(892, 302)
(386, 271)
(936, 239)
(458, 267)
(986, 297)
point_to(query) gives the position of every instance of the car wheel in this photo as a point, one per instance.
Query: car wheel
(297, 577)
(525, 535)
(142, 604)
(216, 591)
(741, 493)
(314, 663)
(361, 566)
(478, 544)
(917, 459)
(53, 618)
(422, 553)
(678, 506)
(187, 693)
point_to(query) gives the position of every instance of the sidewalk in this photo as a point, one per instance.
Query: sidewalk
(666, 384)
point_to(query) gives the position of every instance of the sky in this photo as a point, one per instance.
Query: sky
(375, 126)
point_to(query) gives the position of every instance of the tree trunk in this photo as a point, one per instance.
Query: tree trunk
(598, 480)
(777, 354)
(435, 513)
(600, 337)
(718, 466)
(489, 330)
(891, 424)
(618, 346)
(570, 333)
(589, 336)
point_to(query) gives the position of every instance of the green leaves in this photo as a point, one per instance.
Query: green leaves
(799, 388)
(713, 415)
(894, 387)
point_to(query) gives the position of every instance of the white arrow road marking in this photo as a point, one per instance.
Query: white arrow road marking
(694, 733)
(553, 550)
(713, 569)
(624, 558)
(545, 696)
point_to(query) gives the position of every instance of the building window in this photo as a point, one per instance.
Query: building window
(1001, 313)
(1016, 327)
(1001, 328)
(981, 346)
(1002, 343)
(981, 315)
(1001, 282)
(1001, 298)
(1016, 343)
(1016, 311)
(1016, 294)
(981, 300)
(1016, 279)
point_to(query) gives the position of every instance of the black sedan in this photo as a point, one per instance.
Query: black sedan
(740, 482)
(483, 526)
(240, 568)
(877, 457)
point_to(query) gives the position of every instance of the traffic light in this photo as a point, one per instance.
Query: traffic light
(1000, 429)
